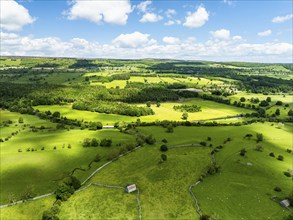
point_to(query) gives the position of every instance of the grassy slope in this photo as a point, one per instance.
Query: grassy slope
(164, 112)
(20, 170)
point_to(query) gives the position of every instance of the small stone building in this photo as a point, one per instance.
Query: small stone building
(130, 188)
(285, 203)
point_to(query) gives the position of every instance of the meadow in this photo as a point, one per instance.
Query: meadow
(19, 170)
(164, 112)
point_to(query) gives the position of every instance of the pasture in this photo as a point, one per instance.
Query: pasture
(38, 171)
(164, 112)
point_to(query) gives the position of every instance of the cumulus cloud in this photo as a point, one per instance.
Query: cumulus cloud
(170, 12)
(143, 6)
(14, 16)
(150, 17)
(197, 18)
(139, 45)
(110, 11)
(172, 22)
(134, 39)
(265, 33)
(222, 34)
(281, 19)
(171, 40)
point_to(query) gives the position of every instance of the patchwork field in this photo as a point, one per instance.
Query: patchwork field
(164, 112)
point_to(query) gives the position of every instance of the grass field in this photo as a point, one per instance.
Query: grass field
(192, 81)
(164, 186)
(164, 112)
(20, 170)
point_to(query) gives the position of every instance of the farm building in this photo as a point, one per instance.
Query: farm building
(285, 203)
(130, 188)
(108, 126)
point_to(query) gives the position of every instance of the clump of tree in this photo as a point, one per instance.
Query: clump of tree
(164, 148)
(187, 108)
(67, 187)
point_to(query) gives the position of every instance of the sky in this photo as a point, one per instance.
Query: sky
(214, 30)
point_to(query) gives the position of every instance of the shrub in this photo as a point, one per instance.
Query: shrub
(259, 137)
(106, 142)
(259, 148)
(19, 150)
(165, 140)
(203, 143)
(288, 174)
(243, 152)
(209, 138)
(170, 128)
(54, 148)
(277, 189)
(86, 142)
(289, 150)
(94, 142)
(150, 140)
(163, 157)
(163, 148)
(280, 157)
(272, 154)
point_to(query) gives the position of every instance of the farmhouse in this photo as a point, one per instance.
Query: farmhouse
(285, 203)
(130, 188)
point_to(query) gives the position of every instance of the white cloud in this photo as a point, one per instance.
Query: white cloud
(170, 12)
(229, 2)
(237, 38)
(171, 40)
(143, 6)
(172, 22)
(196, 19)
(281, 19)
(134, 39)
(14, 16)
(138, 45)
(110, 11)
(222, 34)
(150, 17)
(265, 33)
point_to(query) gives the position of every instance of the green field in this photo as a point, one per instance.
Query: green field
(164, 112)
(21, 169)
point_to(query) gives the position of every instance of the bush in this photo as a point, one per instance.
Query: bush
(106, 142)
(280, 157)
(243, 152)
(165, 140)
(277, 189)
(163, 148)
(259, 137)
(94, 142)
(288, 174)
(203, 143)
(289, 150)
(163, 157)
(272, 154)
(170, 128)
(209, 138)
(86, 142)
(259, 148)
(150, 140)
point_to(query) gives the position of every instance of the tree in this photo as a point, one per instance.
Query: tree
(163, 148)
(290, 112)
(279, 103)
(106, 142)
(94, 142)
(163, 157)
(277, 112)
(184, 116)
(158, 104)
(148, 104)
(280, 157)
(242, 99)
(259, 137)
(20, 120)
(170, 128)
(243, 152)
(268, 99)
(86, 142)
(56, 115)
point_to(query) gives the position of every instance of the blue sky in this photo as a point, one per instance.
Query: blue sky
(222, 30)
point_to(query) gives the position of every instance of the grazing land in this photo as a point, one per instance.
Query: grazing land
(163, 125)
